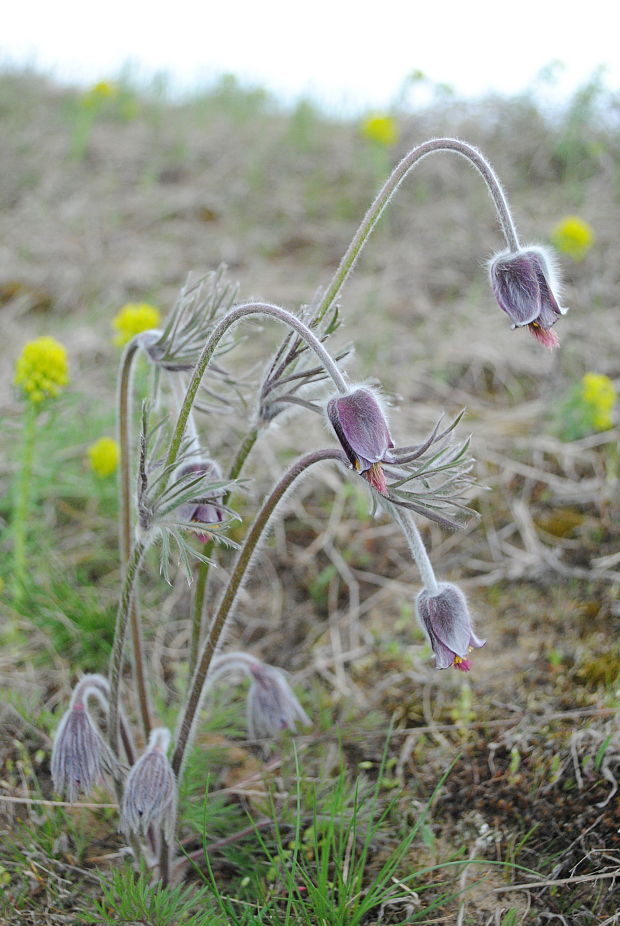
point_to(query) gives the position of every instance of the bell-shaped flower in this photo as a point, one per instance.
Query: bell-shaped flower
(362, 429)
(150, 789)
(523, 283)
(430, 478)
(79, 753)
(272, 707)
(445, 619)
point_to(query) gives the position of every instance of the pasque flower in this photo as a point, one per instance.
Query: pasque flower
(272, 706)
(362, 429)
(445, 618)
(523, 282)
(430, 484)
(203, 510)
(150, 789)
(79, 753)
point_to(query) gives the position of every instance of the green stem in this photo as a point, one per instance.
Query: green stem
(203, 567)
(198, 605)
(124, 441)
(416, 545)
(122, 619)
(22, 502)
(344, 269)
(389, 188)
(242, 563)
(230, 319)
(235, 315)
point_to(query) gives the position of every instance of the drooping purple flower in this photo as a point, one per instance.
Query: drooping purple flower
(79, 752)
(150, 789)
(446, 620)
(523, 283)
(272, 707)
(202, 510)
(361, 427)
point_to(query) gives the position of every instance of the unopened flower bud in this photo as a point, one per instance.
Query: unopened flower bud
(202, 510)
(446, 620)
(362, 429)
(150, 789)
(272, 706)
(523, 283)
(79, 752)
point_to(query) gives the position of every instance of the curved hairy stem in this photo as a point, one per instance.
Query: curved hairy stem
(235, 315)
(203, 566)
(416, 545)
(389, 188)
(344, 269)
(242, 563)
(124, 442)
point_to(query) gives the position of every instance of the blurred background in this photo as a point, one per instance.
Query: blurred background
(137, 148)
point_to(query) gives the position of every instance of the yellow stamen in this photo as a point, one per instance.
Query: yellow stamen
(457, 660)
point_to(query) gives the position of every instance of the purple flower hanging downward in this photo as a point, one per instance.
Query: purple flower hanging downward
(272, 706)
(79, 753)
(523, 283)
(445, 619)
(150, 789)
(359, 422)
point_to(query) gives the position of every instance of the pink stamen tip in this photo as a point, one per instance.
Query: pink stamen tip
(463, 665)
(376, 477)
(545, 336)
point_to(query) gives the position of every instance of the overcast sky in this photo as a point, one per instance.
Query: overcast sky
(345, 58)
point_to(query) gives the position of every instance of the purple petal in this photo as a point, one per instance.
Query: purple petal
(444, 657)
(516, 284)
(450, 619)
(475, 641)
(446, 620)
(360, 424)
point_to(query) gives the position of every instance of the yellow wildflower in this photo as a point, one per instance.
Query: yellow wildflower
(41, 370)
(102, 90)
(103, 456)
(380, 129)
(599, 394)
(573, 236)
(132, 319)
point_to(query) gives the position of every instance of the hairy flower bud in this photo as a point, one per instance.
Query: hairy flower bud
(203, 510)
(523, 284)
(361, 427)
(79, 752)
(150, 789)
(272, 706)
(446, 620)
